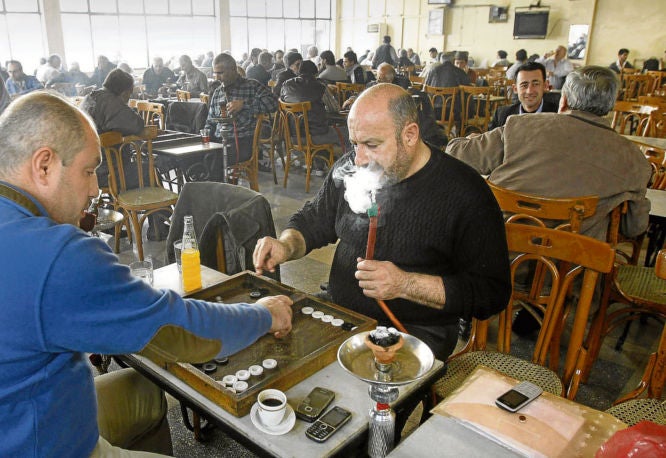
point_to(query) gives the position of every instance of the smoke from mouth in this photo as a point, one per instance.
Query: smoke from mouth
(361, 183)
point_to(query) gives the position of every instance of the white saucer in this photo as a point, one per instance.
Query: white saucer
(283, 427)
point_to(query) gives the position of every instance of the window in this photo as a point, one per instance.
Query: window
(21, 33)
(289, 24)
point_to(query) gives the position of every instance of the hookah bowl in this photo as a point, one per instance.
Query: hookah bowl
(384, 369)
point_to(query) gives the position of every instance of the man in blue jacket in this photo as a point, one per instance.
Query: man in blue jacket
(63, 293)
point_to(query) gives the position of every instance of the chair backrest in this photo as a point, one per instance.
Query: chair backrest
(654, 125)
(250, 168)
(114, 146)
(551, 249)
(416, 81)
(501, 87)
(443, 98)
(152, 113)
(475, 109)
(296, 125)
(567, 213)
(346, 90)
(658, 78)
(183, 96)
(635, 86)
(627, 116)
(204, 98)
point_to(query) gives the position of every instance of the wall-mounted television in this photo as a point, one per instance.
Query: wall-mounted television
(440, 2)
(530, 24)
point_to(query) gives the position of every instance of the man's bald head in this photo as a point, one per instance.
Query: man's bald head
(385, 97)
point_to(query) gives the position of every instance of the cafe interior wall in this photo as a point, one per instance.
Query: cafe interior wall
(613, 24)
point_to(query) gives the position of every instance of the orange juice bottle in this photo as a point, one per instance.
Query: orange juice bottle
(190, 260)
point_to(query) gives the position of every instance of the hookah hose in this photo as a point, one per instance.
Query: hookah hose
(373, 213)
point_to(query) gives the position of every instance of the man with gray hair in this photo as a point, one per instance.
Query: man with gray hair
(260, 72)
(64, 294)
(571, 153)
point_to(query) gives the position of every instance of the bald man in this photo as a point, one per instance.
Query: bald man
(441, 250)
(557, 66)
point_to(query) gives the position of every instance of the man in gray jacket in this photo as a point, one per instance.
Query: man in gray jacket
(571, 153)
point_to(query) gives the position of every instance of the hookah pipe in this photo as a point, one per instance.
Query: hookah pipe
(373, 214)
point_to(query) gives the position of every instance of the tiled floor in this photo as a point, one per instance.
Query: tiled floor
(614, 374)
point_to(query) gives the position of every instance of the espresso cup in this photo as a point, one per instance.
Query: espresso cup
(272, 406)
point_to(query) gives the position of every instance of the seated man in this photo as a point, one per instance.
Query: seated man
(355, 73)
(64, 293)
(621, 62)
(441, 250)
(157, 75)
(567, 154)
(293, 62)
(530, 86)
(104, 66)
(19, 83)
(330, 72)
(191, 78)
(242, 99)
(260, 72)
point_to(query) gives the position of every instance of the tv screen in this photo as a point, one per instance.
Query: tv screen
(530, 24)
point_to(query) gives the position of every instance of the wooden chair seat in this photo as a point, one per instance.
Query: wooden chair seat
(137, 198)
(637, 410)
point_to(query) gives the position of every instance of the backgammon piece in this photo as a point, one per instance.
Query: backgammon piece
(240, 386)
(307, 310)
(327, 318)
(317, 315)
(209, 368)
(256, 370)
(255, 294)
(347, 326)
(229, 379)
(218, 298)
(269, 364)
(221, 361)
(242, 375)
(338, 322)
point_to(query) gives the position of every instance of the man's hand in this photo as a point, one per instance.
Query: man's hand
(268, 253)
(380, 279)
(280, 308)
(234, 106)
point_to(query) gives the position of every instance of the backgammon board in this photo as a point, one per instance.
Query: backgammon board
(318, 329)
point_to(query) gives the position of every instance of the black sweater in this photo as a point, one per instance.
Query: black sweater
(442, 221)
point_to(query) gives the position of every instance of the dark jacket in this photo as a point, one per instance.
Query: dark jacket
(243, 215)
(308, 89)
(259, 73)
(502, 113)
(385, 53)
(283, 76)
(111, 113)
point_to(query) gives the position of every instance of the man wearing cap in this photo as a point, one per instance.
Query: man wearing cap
(293, 61)
(462, 62)
(530, 86)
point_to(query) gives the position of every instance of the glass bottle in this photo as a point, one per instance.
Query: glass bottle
(190, 260)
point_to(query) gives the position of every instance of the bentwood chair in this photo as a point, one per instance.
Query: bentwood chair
(274, 140)
(346, 90)
(148, 197)
(634, 86)
(627, 116)
(475, 109)
(549, 248)
(152, 113)
(250, 168)
(416, 81)
(658, 80)
(298, 139)
(444, 99)
(630, 408)
(183, 96)
(204, 98)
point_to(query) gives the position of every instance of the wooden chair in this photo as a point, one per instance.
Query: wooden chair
(658, 80)
(274, 141)
(475, 109)
(297, 138)
(346, 90)
(627, 116)
(586, 257)
(152, 113)
(183, 96)
(250, 168)
(630, 408)
(204, 98)
(497, 72)
(634, 86)
(132, 103)
(501, 87)
(416, 81)
(654, 125)
(149, 197)
(443, 98)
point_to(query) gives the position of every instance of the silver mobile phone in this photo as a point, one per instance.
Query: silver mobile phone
(519, 396)
(327, 425)
(314, 404)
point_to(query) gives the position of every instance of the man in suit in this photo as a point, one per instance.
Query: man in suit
(530, 86)
(621, 62)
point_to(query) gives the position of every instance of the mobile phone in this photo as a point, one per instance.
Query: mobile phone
(314, 404)
(519, 396)
(327, 425)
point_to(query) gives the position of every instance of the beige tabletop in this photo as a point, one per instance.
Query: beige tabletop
(168, 277)
(652, 142)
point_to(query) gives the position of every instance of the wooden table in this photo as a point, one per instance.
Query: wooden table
(189, 160)
(350, 392)
(652, 142)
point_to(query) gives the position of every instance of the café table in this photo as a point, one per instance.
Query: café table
(651, 142)
(468, 423)
(350, 393)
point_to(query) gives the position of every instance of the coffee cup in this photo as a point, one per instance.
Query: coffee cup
(272, 406)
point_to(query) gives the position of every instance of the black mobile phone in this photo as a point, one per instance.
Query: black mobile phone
(314, 404)
(327, 425)
(519, 396)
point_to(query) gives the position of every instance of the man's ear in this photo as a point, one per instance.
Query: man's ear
(43, 165)
(410, 134)
(564, 104)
